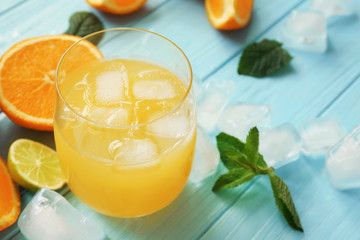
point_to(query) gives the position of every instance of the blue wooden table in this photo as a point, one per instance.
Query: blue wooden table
(314, 85)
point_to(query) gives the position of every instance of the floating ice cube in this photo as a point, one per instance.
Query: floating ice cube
(206, 158)
(111, 86)
(332, 7)
(216, 96)
(133, 150)
(239, 118)
(157, 89)
(343, 162)
(172, 126)
(319, 135)
(280, 145)
(50, 216)
(112, 116)
(305, 30)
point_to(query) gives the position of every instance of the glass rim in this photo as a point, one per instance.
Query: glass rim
(124, 126)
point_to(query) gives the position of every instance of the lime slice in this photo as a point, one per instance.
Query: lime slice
(33, 165)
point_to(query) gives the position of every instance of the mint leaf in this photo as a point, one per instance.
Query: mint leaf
(85, 23)
(233, 178)
(261, 59)
(261, 164)
(284, 201)
(244, 162)
(252, 146)
(232, 152)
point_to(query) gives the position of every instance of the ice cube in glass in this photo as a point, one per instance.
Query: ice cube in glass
(131, 150)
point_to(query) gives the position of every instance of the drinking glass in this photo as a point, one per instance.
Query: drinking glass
(125, 122)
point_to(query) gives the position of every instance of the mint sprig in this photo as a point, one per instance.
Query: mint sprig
(85, 23)
(244, 162)
(261, 59)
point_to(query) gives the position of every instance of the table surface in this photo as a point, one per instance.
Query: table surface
(314, 85)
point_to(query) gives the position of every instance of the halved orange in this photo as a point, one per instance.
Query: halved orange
(9, 198)
(229, 14)
(27, 78)
(117, 6)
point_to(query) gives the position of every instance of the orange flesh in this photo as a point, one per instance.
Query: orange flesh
(124, 3)
(27, 77)
(29, 73)
(9, 198)
(243, 8)
(217, 8)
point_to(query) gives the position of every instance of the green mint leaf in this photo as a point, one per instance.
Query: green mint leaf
(233, 178)
(261, 59)
(252, 146)
(261, 164)
(85, 23)
(284, 202)
(231, 151)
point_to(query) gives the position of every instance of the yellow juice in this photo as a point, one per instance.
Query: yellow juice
(126, 138)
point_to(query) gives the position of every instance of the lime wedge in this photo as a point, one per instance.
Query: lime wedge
(33, 165)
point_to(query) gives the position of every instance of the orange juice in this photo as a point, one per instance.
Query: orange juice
(125, 136)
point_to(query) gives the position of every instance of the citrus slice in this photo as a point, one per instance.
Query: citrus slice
(27, 78)
(9, 198)
(33, 165)
(228, 14)
(117, 6)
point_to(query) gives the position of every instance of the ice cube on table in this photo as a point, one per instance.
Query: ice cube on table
(50, 216)
(171, 126)
(131, 151)
(216, 95)
(343, 162)
(153, 89)
(111, 86)
(332, 7)
(239, 118)
(280, 145)
(206, 158)
(305, 30)
(319, 135)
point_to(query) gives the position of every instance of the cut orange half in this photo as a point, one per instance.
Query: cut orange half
(117, 6)
(9, 198)
(229, 14)
(27, 78)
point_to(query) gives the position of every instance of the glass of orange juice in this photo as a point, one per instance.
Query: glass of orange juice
(125, 122)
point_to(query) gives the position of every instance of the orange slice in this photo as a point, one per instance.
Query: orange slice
(117, 6)
(9, 198)
(229, 14)
(27, 78)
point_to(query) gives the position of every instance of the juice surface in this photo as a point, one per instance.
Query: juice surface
(129, 149)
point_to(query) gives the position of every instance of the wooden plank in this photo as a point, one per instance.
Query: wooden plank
(9, 5)
(308, 90)
(43, 17)
(205, 46)
(323, 209)
(346, 105)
